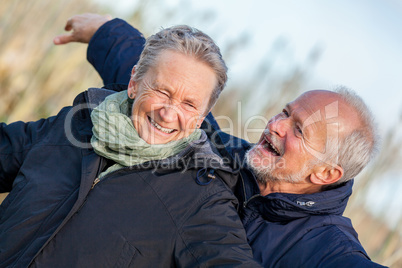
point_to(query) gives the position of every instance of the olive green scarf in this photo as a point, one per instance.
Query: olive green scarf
(114, 136)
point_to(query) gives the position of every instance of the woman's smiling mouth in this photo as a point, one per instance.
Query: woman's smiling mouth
(157, 126)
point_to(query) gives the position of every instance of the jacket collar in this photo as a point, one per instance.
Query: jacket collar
(286, 207)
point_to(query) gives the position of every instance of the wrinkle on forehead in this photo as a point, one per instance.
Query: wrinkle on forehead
(334, 109)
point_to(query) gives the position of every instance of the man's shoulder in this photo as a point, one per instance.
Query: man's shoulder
(337, 231)
(326, 239)
(332, 244)
(312, 226)
(309, 242)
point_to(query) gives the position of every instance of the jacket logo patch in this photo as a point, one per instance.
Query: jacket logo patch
(308, 203)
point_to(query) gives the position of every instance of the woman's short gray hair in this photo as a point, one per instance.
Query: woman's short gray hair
(361, 145)
(189, 41)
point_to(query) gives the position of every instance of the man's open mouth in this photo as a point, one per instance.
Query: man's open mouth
(159, 127)
(267, 145)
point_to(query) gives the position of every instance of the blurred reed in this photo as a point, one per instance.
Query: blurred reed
(38, 78)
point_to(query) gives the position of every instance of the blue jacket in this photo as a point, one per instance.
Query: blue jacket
(284, 230)
(179, 211)
(301, 230)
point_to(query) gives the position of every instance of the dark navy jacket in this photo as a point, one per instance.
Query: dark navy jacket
(301, 230)
(284, 230)
(175, 212)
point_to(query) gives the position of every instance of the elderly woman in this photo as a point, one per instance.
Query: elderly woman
(132, 182)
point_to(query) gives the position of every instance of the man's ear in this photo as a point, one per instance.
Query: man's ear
(325, 175)
(132, 89)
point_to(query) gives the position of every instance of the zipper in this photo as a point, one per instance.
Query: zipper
(250, 199)
(246, 201)
(244, 190)
(95, 182)
(151, 164)
(97, 179)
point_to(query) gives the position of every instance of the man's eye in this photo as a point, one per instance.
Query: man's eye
(299, 130)
(285, 113)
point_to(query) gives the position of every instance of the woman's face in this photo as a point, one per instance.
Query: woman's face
(171, 98)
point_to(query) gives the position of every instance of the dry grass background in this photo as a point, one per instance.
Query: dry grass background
(38, 78)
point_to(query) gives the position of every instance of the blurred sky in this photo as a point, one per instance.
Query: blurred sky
(361, 40)
(361, 43)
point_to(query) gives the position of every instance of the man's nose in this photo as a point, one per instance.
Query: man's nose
(169, 113)
(279, 126)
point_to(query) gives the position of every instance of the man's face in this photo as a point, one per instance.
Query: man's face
(171, 98)
(297, 140)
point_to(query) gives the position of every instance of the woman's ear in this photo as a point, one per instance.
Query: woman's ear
(326, 175)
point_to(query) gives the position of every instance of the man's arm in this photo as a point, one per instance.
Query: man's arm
(114, 45)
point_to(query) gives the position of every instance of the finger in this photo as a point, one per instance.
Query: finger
(63, 39)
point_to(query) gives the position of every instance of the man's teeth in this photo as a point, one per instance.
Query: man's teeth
(271, 146)
(166, 130)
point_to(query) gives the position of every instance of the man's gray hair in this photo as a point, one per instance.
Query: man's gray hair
(188, 41)
(360, 146)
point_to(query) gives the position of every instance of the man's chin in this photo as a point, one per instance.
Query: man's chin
(264, 176)
(260, 169)
(270, 171)
(258, 160)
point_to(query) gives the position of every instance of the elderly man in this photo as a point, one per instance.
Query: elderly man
(295, 182)
(303, 164)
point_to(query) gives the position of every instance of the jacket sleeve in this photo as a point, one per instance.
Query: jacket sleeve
(114, 49)
(15, 141)
(213, 235)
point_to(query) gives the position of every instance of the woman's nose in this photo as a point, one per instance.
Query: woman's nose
(169, 113)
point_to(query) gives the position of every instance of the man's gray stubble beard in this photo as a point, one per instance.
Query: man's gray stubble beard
(264, 173)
